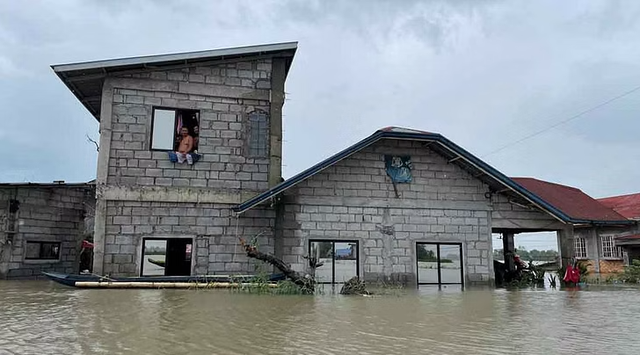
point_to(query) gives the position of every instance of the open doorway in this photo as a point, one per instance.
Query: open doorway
(166, 257)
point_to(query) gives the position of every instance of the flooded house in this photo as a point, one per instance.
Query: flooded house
(42, 226)
(628, 242)
(609, 225)
(190, 161)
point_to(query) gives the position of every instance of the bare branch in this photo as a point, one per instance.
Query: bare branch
(89, 139)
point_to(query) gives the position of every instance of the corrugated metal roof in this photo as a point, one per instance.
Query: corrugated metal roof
(85, 79)
(184, 57)
(445, 147)
(570, 200)
(626, 205)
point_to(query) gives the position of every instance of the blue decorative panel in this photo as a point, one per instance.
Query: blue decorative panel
(398, 168)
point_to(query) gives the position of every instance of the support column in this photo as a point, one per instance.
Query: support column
(101, 177)
(566, 245)
(595, 254)
(278, 76)
(508, 248)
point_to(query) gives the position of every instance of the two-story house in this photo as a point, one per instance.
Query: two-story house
(190, 160)
(163, 199)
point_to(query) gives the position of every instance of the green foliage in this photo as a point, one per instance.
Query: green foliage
(631, 273)
(260, 284)
(533, 276)
(426, 255)
(538, 255)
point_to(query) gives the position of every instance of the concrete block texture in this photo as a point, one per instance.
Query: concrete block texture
(446, 205)
(59, 214)
(223, 106)
(213, 229)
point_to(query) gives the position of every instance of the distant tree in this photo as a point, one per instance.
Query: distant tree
(426, 255)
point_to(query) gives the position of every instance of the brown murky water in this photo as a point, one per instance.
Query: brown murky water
(40, 317)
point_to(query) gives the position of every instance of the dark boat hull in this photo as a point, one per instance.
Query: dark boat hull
(70, 280)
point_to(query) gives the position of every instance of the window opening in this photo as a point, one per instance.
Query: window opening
(166, 257)
(339, 259)
(439, 263)
(580, 247)
(43, 251)
(258, 134)
(609, 249)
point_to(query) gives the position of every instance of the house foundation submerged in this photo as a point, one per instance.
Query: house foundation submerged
(190, 161)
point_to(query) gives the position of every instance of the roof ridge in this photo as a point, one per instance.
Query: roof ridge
(551, 183)
(618, 196)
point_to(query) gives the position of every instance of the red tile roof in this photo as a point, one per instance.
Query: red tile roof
(570, 200)
(626, 205)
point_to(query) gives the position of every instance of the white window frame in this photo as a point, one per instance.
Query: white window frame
(158, 139)
(609, 248)
(580, 247)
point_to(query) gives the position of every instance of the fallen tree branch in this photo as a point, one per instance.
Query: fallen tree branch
(306, 283)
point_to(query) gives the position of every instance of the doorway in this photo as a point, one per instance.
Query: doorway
(439, 263)
(166, 256)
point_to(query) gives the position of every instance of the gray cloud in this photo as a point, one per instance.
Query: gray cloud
(483, 73)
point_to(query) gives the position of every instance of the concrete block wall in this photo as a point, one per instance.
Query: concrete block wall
(214, 230)
(355, 200)
(142, 194)
(46, 214)
(592, 235)
(508, 215)
(223, 94)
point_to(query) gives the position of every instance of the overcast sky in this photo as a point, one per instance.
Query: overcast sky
(483, 73)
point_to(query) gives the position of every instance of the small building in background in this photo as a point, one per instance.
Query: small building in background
(629, 207)
(606, 224)
(42, 227)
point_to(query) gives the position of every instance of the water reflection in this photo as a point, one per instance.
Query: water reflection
(44, 318)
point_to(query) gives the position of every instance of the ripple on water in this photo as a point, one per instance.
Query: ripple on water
(44, 318)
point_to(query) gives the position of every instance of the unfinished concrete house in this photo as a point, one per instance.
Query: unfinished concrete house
(190, 160)
(183, 139)
(410, 206)
(42, 227)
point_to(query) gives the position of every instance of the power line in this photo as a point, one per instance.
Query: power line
(593, 108)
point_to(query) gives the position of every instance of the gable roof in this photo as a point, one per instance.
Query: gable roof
(85, 79)
(570, 200)
(443, 146)
(626, 205)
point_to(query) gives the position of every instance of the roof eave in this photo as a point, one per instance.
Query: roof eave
(184, 57)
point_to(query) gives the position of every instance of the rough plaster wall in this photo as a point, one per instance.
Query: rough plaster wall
(508, 215)
(212, 226)
(49, 215)
(354, 200)
(225, 161)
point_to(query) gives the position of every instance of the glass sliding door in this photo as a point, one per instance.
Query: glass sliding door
(323, 253)
(439, 263)
(450, 264)
(339, 260)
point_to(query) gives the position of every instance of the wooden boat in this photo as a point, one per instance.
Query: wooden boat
(160, 263)
(201, 281)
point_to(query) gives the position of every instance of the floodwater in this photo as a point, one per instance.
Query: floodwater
(40, 317)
